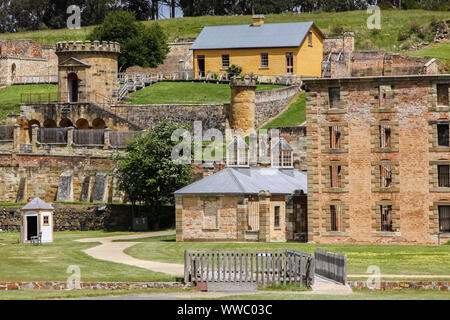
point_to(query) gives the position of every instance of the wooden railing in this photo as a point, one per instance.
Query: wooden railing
(331, 265)
(37, 98)
(254, 266)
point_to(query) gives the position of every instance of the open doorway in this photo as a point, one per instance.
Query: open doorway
(32, 227)
(201, 66)
(72, 87)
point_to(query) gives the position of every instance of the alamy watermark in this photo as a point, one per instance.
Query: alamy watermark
(373, 281)
(374, 21)
(73, 281)
(74, 20)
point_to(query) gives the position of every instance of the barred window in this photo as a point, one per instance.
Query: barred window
(444, 218)
(443, 176)
(264, 60)
(335, 137)
(442, 94)
(443, 140)
(335, 176)
(385, 176)
(335, 97)
(276, 217)
(385, 136)
(386, 218)
(225, 61)
(335, 211)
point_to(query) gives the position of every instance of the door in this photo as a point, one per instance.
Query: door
(46, 227)
(72, 87)
(290, 63)
(32, 227)
(201, 66)
(300, 218)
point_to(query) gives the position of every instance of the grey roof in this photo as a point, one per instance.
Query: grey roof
(268, 35)
(38, 204)
(282, 145)
(249, 181)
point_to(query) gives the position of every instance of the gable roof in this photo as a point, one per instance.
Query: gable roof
(38, 204)
(74, 62)
(249, 181)
(267, 35)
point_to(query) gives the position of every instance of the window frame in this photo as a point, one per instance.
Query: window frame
(446, 94)
(277, 217)
(331, 100)
(227, 56)
(440, 227)
(44, 222)
(386, 218)
(310, 36)
(336, 217)
(338, 174)
(440, 125)
(264, 56)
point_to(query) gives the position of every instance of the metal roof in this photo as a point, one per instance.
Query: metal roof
(249, 181)
(267, 35)
(38, 204)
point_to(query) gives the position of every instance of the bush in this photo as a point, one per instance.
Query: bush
(402, 36)
(234, 71)
(337, 30)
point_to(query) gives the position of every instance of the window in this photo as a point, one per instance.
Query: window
(225, 61)
(442, 94)
(276, 223)
(335, 97)
(385, 94)
(335, 176)
(443, 176)
(335, 211)
(385, 136)
(444, 218)
(289, 62)
(210, 214)
(335, 137)
(46, 220)
(310, 39)
(264, 60)
(443, 135)
(385, 175)
(386, 218)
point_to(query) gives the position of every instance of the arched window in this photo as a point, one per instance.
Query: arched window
(98, 124)
(82, 124)
(49, 123)
(65, 123)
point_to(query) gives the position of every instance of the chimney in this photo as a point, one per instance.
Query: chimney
(258, 20)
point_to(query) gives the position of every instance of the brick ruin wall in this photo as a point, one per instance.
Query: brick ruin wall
(27, 58)
(412, 199)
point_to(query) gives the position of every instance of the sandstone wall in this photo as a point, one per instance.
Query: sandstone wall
(270, 104)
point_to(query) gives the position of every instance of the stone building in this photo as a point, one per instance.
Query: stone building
(88, 72)
(378, 158)
(243, 204)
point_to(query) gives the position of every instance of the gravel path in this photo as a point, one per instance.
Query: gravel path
(113, 251)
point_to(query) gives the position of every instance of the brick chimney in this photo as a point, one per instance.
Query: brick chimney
(258, 20)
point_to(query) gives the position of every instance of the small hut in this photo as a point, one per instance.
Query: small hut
(37, 219)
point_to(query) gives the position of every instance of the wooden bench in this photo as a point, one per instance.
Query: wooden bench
(36, 240)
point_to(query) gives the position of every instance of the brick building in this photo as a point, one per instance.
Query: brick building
(378, 158)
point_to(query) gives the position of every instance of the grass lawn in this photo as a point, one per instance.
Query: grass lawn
(293, 116)
(441, 52)
(392, 21)
(392, 259)
(404, 294)
(10, 96)
(73, 294)
(23, 262)
(187, 92)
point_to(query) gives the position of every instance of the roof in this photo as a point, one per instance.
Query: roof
(282, 145)
(267, 35)
(38, 204)
(249, 181)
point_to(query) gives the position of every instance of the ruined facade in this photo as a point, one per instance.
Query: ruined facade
(25, 61)
(378, 157)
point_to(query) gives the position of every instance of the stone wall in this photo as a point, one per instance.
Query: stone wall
(270, 104)
(211, 116)
(345, 43)
(410, 110)
(92, 285)
(398, 285)
(91, 217)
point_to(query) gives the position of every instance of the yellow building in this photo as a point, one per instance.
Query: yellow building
(269, 49)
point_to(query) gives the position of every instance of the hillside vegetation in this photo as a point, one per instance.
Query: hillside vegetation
(392, 22)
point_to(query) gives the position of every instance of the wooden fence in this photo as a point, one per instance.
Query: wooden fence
(254, 266)
(331, 265)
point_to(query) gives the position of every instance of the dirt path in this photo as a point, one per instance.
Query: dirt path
(113, 252)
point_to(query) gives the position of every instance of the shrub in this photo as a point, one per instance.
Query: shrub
(402, 36)
(234, 71)
(337, 30)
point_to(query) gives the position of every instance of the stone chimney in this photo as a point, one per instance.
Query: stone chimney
(258, 20)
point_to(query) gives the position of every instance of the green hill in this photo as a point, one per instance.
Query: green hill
(392, 22)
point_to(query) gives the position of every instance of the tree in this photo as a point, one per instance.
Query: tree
(147, 173)
(140, 45)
